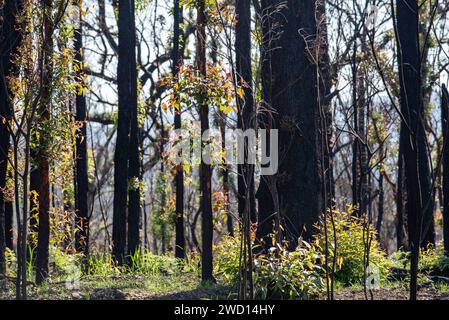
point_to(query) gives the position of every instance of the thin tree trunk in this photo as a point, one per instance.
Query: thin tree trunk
(81, 175)
(325, 85)
(9, 234)
(43, 240)
(445, 126)
(179, 178)
(401, 202)
(225, 176)
(34, 189)
(245, 104)
(207, 228)
(380, 212)
(360, 152)
(268, 216)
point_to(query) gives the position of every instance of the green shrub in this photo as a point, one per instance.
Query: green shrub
(281, 274)
(102, 265)
(11, 262)
(351, 231)
(61, 261)
(278, 274)
(145, 262)
(226, 259)
(433, 261)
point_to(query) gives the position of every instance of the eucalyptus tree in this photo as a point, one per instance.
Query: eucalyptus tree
(445, 126)
(207, 230)
(81, 163)
(127, 110)
(177, 54)
(290, 89)
(412, 127)
(43, 118)
(9, 42)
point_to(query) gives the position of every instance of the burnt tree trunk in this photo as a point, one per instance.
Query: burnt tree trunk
(293, 93)
(43, 238)
(245, 104)
(401, 196)
(134, 209)
(207, 230)
(179, 178)
(445, 126)
(326, 116)
(126, 35)
(360, 150)
(412, 131)
(380, 209)
(266, 198)
(9, 41)
(81, 174)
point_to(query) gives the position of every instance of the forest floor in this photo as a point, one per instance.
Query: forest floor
(391, 294)
(188, 287)
(134, 287)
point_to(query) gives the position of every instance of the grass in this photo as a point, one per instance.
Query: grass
(136, 287)
(150, 277)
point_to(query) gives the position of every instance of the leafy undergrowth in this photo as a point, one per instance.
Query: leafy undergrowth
(278, 273)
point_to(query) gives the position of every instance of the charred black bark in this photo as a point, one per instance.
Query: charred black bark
(293, 93)
(179, 178)
(445, 126)
(266, 198)
(401, 196)
(125, 81)
(134, 209)
(9, 42)
(326, 112)
(81, 174)
(207, 228)
(416, 165)
(43, 238)
(380, 212)
(245, 104)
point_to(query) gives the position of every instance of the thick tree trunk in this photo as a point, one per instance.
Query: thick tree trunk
(125, 81)
(412, 133)
(43, 239)
(207, 228)
(9, 41)
(81, 175)
(179, 178)
(245, 105)
(134, 209)
(294, 95)
(445, 126)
